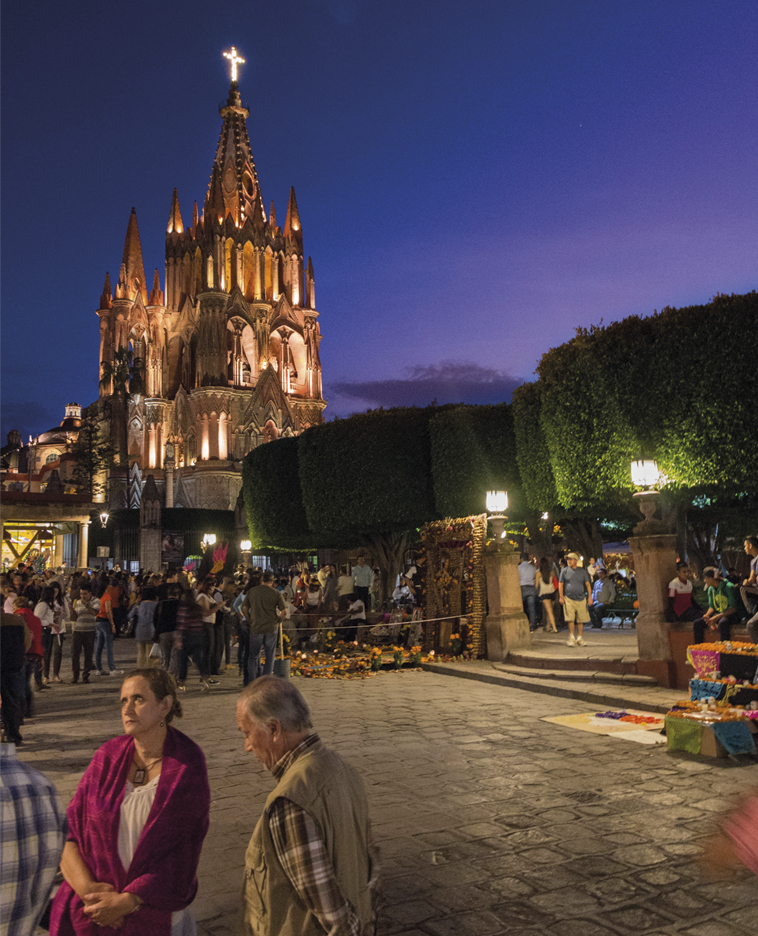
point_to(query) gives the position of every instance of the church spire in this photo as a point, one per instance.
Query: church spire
(132, 261)
(233, 166)
(175, 223)
(272, 217)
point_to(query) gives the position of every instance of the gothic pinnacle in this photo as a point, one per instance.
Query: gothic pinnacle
(175, 223)
(272, 217)
(156, 293)
(292, 221)
(106, 299)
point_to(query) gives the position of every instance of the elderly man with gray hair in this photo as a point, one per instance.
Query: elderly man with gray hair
(308, 867)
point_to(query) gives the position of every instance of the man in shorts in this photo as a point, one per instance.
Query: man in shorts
(575, 590)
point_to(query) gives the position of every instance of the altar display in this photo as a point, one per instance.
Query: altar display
(721, 716)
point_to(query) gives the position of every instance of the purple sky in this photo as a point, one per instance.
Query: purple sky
(474, 181)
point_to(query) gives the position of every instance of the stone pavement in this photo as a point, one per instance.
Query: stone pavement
(488, 819)
(597, 689)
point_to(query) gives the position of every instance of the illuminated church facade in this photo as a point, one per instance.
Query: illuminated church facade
(228, 353)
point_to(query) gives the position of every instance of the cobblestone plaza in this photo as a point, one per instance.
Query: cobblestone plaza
(488, 819)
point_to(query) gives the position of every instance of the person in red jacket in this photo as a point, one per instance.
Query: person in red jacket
(35, 654)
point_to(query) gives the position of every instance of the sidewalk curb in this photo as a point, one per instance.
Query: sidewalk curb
(546, 687)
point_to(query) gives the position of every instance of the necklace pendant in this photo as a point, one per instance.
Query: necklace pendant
(139, 776)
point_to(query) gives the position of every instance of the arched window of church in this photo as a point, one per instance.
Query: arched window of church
(53, 456)
(248, 270)
(187, 283)
(197, 276)
(229, 264)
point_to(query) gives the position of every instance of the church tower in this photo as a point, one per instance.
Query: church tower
(228, 357)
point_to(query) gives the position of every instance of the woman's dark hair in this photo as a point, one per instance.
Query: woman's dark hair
(161, 684)
(149, 594)
(48, 596)
(545, 570)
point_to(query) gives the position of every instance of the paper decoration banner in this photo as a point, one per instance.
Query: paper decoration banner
(706, 662)
(735, 736)
(683, 734)
(704, 689)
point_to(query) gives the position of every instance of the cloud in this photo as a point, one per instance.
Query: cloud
(446, 382)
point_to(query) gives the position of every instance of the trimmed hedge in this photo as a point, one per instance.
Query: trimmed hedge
(368, 474)
(474, 451)
(675, 387)
(273, 500)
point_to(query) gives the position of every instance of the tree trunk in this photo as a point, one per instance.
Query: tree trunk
(387, 550)
(540, 534)
(583, 536)
(704, 543)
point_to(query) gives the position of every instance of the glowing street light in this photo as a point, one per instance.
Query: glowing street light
(497, 504)
(104, 517)
(246, 546)
(645, 473)
(208, 540)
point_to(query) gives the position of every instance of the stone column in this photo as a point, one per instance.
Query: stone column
(82, 557)
(169, 469)
(654, 567)
(58, 551)
(506, 625)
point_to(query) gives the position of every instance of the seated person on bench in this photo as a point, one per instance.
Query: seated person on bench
(681, 606)
(603, 594)
(722, 606)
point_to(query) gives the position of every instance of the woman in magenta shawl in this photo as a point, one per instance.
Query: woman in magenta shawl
(136, 823)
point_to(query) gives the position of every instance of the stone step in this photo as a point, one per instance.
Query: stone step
(577, 659)
(576, 675)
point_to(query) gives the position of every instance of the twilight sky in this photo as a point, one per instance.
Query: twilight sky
(474, 181)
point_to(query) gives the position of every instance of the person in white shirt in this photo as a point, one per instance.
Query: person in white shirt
(680, 603)
(356, 618)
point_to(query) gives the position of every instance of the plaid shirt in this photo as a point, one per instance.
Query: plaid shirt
(32, 836)
(302, 853)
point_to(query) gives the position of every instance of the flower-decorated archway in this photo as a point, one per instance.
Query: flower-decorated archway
(454, 573)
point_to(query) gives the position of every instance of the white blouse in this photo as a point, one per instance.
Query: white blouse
(135, 808)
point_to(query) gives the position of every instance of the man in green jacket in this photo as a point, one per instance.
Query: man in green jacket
(308, 867)
(722, 606)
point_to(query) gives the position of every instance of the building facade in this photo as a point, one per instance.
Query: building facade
(226, 357)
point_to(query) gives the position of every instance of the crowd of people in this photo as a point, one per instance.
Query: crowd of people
(585, 594)
(219, 623)
(563, 592)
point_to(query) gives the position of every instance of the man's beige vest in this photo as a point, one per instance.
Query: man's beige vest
(332, 793)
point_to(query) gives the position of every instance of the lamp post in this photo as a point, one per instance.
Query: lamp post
(654, 550)
(208, 540)
(506, 625)
(246, 548)
(645, 474)
(104, 517)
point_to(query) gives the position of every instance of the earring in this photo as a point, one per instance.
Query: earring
(163, 724)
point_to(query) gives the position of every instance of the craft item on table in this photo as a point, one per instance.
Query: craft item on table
(735, 736)
(704, 662)
(684, 734)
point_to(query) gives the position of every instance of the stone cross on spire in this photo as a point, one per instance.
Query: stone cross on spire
(235, 61)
